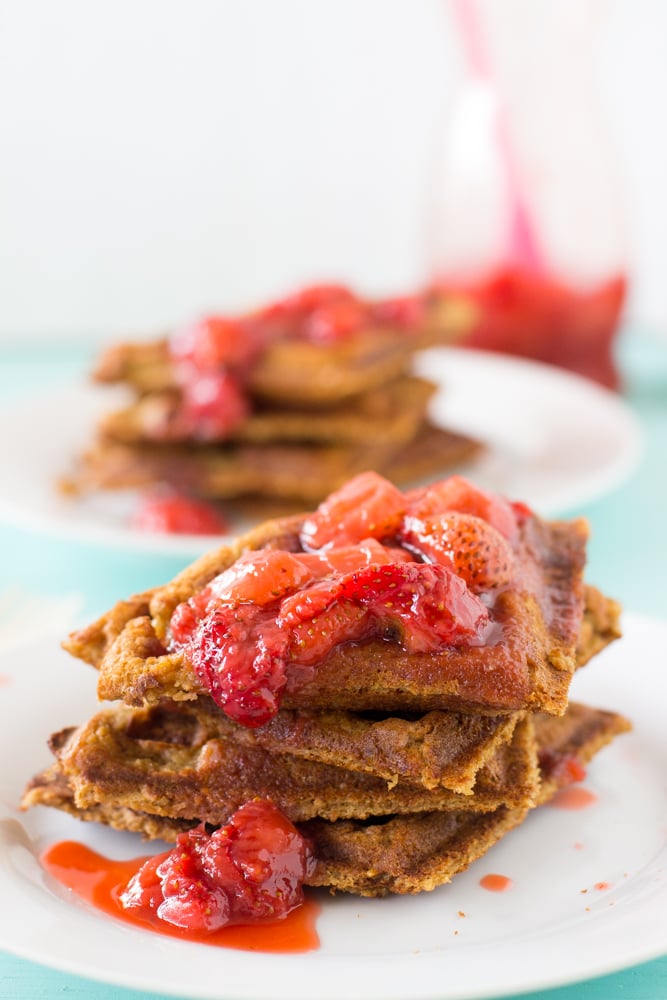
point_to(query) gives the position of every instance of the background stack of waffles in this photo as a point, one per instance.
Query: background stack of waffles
(401, 768)
(284, 404)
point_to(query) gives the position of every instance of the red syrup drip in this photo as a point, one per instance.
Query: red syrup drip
(496, 883)
(5, 679)
(602, 886)
(100, 881)
(573, 797)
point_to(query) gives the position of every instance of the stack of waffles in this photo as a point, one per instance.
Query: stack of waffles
(401, 768)
(274, 410)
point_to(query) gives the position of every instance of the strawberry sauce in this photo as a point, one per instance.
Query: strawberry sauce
(496, 883)
(574, 797)
(100, 882)
(375, 564)
(214, 356)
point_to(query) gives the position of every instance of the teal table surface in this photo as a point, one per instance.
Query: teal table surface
(628, 555)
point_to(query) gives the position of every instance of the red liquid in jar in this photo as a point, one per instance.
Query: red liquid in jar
(534, 316)
(100, 881)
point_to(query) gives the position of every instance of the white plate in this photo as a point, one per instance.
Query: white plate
(555, 441)
(551, 928)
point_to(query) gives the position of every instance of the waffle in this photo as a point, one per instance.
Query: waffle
(434, 750)
(393, 412)
(531, 668)
(404, 853)
(138, 759)
(295, 373)
(278, 470)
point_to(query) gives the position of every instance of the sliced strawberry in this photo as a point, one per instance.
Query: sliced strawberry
(368, 506)
(314, 297)
(144, 889)
(335, 321)
(457, 494)
(475, 550)
(214, 342)
(312, 639)
(407, 312)
(260, 578)
(213, 404)
(347, 558)
(431, 606)
(239, 652)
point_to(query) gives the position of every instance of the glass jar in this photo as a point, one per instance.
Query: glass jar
(526, 223)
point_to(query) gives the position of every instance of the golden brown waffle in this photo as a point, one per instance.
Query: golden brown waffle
(163, 761)
(403, 854)
(294, 373)
(530, 668)
(435, 750)
(392, 412)
(413, 853)
(291, 470)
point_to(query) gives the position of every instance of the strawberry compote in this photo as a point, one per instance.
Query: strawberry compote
(214, 356)
(417, 569)
(250, 870)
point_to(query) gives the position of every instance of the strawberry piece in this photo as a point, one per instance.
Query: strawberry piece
(215, 342)
(566, 769)
(457, 494)
(431, 606)
(350, 557)
(144, 890)
(272, 856)
(183, 623)
(306, 300)
(260, 578)
(213, 404)
(335, 321)
(407, 312)
(522, 512)
(307, 604)
(368, 506)
(189, 900)
(239, 653)
(475, 550)
(173, 513)
(251, 869)
(311, 639)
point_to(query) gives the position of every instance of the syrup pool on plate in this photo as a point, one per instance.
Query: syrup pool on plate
(100, 881)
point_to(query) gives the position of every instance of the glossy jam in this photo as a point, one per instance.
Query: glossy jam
(535, 316)
(274, 613)
(100, 882)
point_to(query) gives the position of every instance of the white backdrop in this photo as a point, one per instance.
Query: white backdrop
(160, 157)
